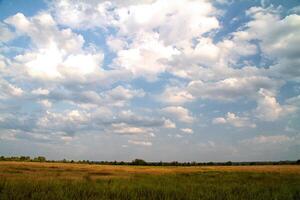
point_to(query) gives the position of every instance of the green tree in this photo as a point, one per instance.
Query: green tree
(138, 162)
(40, 159)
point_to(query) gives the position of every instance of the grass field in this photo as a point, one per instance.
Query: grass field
(28, 180)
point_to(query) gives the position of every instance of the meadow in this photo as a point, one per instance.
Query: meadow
(34, 180)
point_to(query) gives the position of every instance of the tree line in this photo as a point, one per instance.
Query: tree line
(141, 162)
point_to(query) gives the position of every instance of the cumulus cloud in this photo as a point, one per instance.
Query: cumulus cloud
(69, 122)
(232, 88)
(82, 14)
(175, 95)
(140, 143)
(125, 129)
(8, 90)
(268, 109)
(234, 120)
(5, 33)
(58, 53)
(146, 56)
(179, 113)
(279, 41)
(267, 139)
(187, 130)
(169, 124)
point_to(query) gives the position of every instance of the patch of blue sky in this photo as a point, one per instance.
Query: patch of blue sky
(28, 8)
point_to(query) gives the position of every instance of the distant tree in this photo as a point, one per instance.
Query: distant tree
(39, 159)
(24, 158)
(138, 162)
(229, 163)
(174, 163)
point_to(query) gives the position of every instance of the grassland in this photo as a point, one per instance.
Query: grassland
(28, 180)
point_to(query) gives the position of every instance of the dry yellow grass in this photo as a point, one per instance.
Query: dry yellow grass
(80, 171)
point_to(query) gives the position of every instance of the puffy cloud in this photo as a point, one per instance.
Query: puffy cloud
(40, 91)
(139, 142)
(57, 54)
(187, 130)
(68, 121)
(180, 21)
(267, 139)
(169, 124)
(7, 90)
(234, 120)
(175, 95)
(180, 113)
(146, 56)
(219, 120)
(278, 42)
(232, 88)
(5, 33)
(268, 109)
(134, 119)
(116, 44)
(118, 96)
(121, 93)
(82, 14)
(51, 63)
(125, 129)
(45, 103)
(43, 31)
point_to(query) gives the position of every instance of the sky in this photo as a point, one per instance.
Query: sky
(180, 80)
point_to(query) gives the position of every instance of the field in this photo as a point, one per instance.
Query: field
(29, 180)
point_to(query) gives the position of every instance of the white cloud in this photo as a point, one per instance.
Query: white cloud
(40, 91)
(179, 21)
(219, 120)
(141, 143)
(120, 96)
(8, 90)
(148, 34)
(268, 109)
(57, 53)
(82, 64)
(180, 113)
(5, 33)
(175, 95)
(278, 42)
(43, 31)
(45, 103)
(125, 129)
(121, 93)
(146, 56)
(82, 14)
(232, 88)
(234, 120)
(69, 121)
(187, 130)
(267, 139)
(169, 124)
(116, 44)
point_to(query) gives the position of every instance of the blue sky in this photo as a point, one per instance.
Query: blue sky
(191, 80)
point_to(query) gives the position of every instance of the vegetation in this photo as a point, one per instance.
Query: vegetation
(144, 163)
(34, 180)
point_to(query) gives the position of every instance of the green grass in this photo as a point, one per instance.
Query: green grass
(201, 185)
